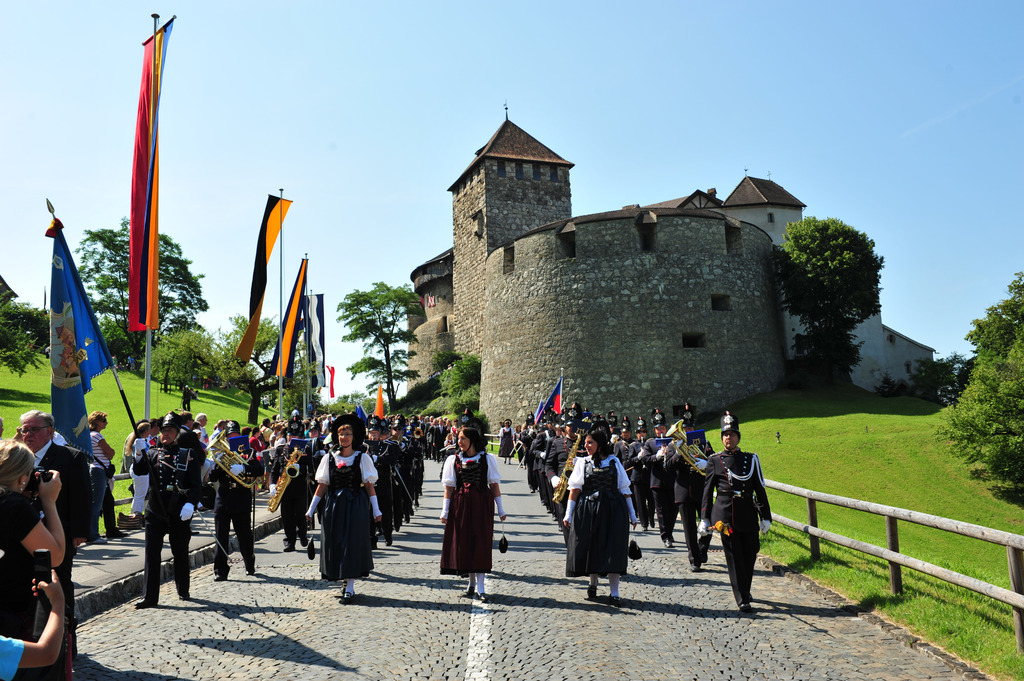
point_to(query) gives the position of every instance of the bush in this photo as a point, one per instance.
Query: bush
(442, 358)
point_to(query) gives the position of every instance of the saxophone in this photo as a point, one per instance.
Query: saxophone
(291, 470)
(558, 496)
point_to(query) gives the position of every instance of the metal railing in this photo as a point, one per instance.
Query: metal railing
(1014, 544)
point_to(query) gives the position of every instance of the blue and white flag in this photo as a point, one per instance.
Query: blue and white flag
(78, 352)
(315, 339)
(360, 413)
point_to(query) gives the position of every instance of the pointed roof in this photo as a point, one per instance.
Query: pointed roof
(5, 290)
(753, 191)
(698, 199)
(512, 143)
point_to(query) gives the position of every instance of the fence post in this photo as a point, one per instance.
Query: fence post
(1017, 584)
(892, 542)
(812, 520)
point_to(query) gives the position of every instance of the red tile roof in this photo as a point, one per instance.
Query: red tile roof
(512, 143)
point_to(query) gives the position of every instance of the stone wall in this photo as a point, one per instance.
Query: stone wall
(616, 319)
(432, 328)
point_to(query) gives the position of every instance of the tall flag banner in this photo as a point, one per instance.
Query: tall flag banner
(315, 337)
(359, 411)
(144, 235)
(554, 401)
(330, 374)
(379, 410)
(78, 352)
(284, 362)
(270, 228)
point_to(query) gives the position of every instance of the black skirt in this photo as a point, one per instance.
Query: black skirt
(598, 535)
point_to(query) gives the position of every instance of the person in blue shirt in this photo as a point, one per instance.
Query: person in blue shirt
(16, 654)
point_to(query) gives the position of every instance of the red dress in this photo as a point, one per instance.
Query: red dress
(469, 532)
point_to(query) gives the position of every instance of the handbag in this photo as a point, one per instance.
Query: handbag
(503, 542)
(634, 551)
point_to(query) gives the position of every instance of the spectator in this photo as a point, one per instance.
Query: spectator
(18, 654)
(204, 437)
(138, 442)
(101, 475)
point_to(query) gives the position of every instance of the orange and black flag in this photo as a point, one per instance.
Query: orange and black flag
(294, 322)
(144, 235)
(273, 218)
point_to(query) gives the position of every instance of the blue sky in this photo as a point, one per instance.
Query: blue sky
(902, 119)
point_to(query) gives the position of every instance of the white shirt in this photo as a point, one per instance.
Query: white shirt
(366, 467)
(448, 472)
(579, 468)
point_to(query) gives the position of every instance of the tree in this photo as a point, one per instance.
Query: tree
(184, 354)
(255, 377)
(104, 269)
(24, 332)
(942, 380)
(828, 277)
(1003, 324)
(378, 319)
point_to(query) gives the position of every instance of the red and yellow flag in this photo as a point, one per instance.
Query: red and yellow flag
(144, 235)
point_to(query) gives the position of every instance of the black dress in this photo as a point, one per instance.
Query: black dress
(599, 530)
(469, 531)
(345, 532)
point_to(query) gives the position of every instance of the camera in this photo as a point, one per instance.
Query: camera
(38, 475)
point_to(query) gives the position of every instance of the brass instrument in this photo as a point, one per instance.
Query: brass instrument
(690, 453)
(418, 433)
(225, 459)
(558, 496)
(291, 470)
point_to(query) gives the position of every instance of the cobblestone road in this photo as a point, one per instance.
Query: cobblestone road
(410, 623)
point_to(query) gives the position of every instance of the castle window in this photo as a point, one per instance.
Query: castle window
(733, 240)
(536, 171)
(519, 171)
(566, 244)
(693, 340)
(647, 236)
(771, 218)
(891, 338)
(907, 366)
(501, 169)
(721, 303)
(442, 324)
(509, 261)
(554, 173)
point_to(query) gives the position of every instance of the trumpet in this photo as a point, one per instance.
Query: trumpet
(418, 432)
(225, 459)
(690, 453)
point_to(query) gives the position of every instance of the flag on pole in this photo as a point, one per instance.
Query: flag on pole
(144, 235)
(379, 411)
(554, 401)
(360, 413)
(315, 337)
(284, 360)
(78, 352)
(273, 218)
(330, 373)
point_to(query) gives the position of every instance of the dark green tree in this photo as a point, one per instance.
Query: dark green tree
(828, 277)
(185, 355)
(378, 319)
(942, 380)
(1003, 324)
(255, 377)
(103, 265)
(24, 332)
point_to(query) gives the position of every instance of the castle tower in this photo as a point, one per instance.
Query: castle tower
(514, 184)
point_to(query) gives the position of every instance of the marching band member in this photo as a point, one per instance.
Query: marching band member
(384, 455)
(233, 505)
(175, 479)
(662, 480)
(295, 497)
(689, 492)
(734, 499)
(471, 495)
(346, 479)
(597, 514)
(556, 455)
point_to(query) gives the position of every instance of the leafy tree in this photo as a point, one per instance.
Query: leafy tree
(24, 332)
(183, 354)
(828, 276)
(255, 377)
(104, 269)
(987, 424)
(442, 359)
(378, 319)
(346, 404)
(1003, 324)
(942, 380)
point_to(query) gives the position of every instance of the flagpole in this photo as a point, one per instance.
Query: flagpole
(305, 332)
(280, 311)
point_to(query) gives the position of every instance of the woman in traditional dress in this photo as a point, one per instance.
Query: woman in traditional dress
(471, 493)
(598, 514)
(505, 443)
(345, 477)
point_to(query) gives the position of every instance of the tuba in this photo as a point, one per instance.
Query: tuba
(690, 453)
(291, 471)
(558, 496)
(225, 458)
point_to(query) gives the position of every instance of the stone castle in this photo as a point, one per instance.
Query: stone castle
(641, 307)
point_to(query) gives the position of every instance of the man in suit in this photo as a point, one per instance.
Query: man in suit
(74, 502)
(663, 481)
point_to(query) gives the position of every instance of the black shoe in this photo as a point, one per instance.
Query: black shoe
(250, 571)
(116, 534)
(614, 601)
(484, 598)
(184, 597)
(143, 604)
(347, 598)
(591, 593)
(470, 592)
(220, 578)
(388, 541)
(289, 547)
(304, 540)
(694, 567)
(668, 543)
(745, 607)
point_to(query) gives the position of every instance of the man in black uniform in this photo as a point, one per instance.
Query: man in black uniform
(689, 491)
(538, 448)
(175, 479)
(557, 454)
(640, 477)
(295, 497)
(385, 455)
(663, 481)
(624, 443)
(234, 504)
(401, 473)
(734, 496)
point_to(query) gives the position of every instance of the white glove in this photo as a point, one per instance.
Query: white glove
(312, 506)
(445, 508)
(568, 511)
(237, 469)
(632, 511)
(137, 455)
(554, 481)
(765, 526)
(273, 490)
(374, 507)
(702, 464)
(187, 510)
(499, 507)
(703, 529)
(661, 453)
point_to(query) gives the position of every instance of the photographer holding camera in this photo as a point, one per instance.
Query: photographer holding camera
(22, 533)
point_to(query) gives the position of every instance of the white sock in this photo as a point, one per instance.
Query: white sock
(613, 583)
(480, 583)
(350, 586)
(593, 580)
